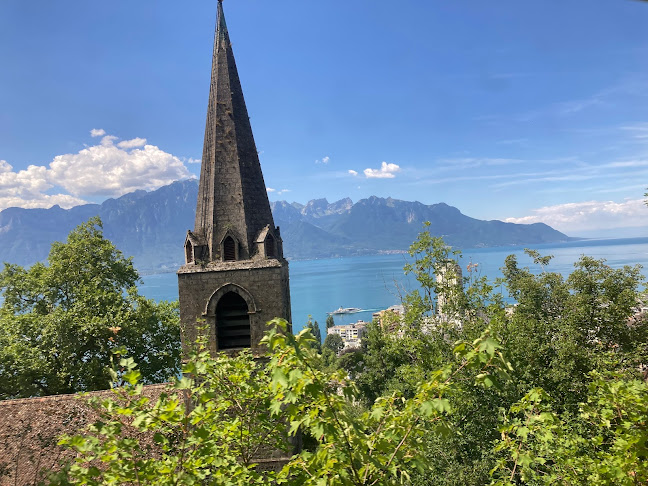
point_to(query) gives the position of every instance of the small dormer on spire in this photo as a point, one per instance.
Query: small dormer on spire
(269, 244)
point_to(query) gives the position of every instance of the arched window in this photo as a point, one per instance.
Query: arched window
(271, 247)
(232, 322)
(229, 249)
(189, 252)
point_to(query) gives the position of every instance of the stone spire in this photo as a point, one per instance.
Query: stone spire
(232, 197)
(235, 278)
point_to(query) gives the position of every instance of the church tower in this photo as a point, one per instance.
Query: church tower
(235, 277)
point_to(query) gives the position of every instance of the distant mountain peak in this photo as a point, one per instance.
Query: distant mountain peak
(151, 226)
(343, 203)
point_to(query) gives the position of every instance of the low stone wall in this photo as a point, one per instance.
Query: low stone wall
(30, 429)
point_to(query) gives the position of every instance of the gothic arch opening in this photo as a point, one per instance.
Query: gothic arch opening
(232, 322)
(271, 247)
(189, 252)
(229, 249)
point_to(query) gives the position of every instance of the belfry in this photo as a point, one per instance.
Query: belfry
(235, 277)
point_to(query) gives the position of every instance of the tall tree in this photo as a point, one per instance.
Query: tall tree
(59, 322)
(564, 328)
(334, 343)
(314, 329)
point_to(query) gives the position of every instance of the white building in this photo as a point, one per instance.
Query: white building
(351, 334)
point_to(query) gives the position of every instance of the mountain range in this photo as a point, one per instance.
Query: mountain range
(151, 226)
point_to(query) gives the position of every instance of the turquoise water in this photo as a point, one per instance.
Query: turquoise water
(375, 282)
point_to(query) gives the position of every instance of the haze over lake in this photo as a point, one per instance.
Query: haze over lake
(373, 282)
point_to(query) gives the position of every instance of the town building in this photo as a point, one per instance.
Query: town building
(449, 280)
(390, 319)
(351, 334)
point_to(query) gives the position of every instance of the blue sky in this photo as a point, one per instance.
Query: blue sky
(521, 111)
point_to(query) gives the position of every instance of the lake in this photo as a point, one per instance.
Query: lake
(375, 282)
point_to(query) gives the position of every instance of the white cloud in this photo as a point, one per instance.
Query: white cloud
(5, 167)
(40, 201)
(108, 170)
(279, 193)
(470, 162)
(191, 160)
(353, 172)
(29, 181)
(136, 142)
(97, 132)
(386, 171)
(628, 163)
(640, 130)
(108, 140)
(324, 160)
(26, 189)
(575, 106)
(98, 170)
(572, 218)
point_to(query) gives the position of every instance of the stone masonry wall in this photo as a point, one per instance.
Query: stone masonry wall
(266, 281)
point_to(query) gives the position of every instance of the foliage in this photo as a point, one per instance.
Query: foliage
(380, 445)
(422, 402)
(334, 343)
(314, 329)
(330, 321)
(559, 331)
(444, 292)
(606, 443)
(432, 258)
(209, 428)
(397, 362)
(59, 322)
(562, 329)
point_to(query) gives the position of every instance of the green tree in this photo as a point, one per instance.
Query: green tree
(59, 322)
(334, 343)
(432, 258)
(330, 321)
(399, 361)
(559, 330)
(564, 328)
(314, 329)
(605, 443)
(578, 349)
(212, 422)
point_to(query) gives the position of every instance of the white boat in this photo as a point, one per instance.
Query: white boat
(345, 310)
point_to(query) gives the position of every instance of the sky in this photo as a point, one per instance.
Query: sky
(519, 111)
